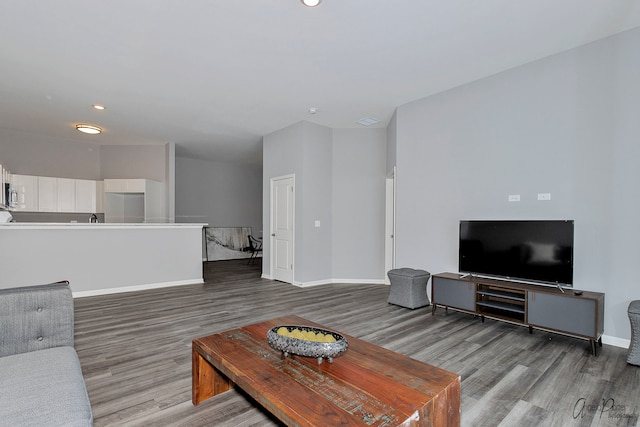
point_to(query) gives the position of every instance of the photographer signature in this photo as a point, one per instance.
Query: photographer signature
(607, 406)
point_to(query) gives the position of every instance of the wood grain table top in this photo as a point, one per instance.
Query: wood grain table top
(368, 385)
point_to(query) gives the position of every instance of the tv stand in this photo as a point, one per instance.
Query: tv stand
(536, 306)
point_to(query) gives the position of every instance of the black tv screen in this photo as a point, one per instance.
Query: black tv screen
(537, 251)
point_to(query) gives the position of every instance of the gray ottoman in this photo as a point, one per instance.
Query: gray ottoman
(634, 348)
(408, 287)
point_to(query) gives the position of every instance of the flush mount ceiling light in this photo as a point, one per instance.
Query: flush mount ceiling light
(99, 107)
(90, 129)
(311, 3)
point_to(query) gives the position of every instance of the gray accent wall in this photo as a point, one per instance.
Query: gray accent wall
(218, 193)
(392, 144)
(339, 181)
(35, 154)
(170, 168)
(358, 197)
(303, 150)
(40, 155)
(566, 125)
(134, 161)
(282, 154)
(313, 263)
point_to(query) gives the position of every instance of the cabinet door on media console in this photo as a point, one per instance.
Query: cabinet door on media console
(453, 293)
(576, 315)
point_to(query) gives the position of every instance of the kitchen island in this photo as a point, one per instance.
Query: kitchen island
(99, 258)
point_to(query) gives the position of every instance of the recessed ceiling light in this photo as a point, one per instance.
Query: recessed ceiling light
(367, 121)
(311, 3)
(90, 129)
(99, 107)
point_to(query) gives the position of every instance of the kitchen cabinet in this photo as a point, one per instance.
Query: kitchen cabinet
(134, 201)
(47, 194)
(99, 196)
(66, 195)
(86, 196)
(5, 180)
(126, 185)
(26, 187)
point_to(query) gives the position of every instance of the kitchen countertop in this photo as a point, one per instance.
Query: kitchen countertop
(98, 225)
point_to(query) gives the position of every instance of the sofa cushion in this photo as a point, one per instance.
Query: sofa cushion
(35, 318)
(44, 388)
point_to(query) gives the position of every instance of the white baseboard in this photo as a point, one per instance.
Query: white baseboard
(333, 281)
(614, 341)
(108, 291)
(339, 281)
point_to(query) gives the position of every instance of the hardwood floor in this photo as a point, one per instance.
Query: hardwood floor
(135, 351)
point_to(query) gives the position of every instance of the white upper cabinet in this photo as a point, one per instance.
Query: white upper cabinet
(85, 196)
(66, 195)
(134, 200)
(63, 195)
(26, 187)
(99, 196)
(125, 185)
(47, 194)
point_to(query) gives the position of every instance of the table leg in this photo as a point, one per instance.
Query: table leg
(206, 381)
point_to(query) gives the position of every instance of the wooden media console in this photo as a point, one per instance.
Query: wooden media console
(572, 312)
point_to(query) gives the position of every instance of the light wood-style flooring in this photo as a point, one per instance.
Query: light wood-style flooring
(135, 351)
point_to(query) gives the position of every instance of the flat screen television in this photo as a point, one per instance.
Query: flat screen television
(539, 251)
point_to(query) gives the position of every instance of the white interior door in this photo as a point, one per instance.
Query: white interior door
(282, 221)
(389, 238)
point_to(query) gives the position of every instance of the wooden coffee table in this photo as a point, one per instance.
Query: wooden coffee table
(367, 386)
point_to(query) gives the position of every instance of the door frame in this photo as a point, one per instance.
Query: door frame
(272, 258)
(390, 224)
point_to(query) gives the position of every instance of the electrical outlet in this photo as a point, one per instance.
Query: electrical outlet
(514, 197)
(544, 196)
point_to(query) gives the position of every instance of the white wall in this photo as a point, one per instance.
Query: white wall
(219, 194)
(566, 125)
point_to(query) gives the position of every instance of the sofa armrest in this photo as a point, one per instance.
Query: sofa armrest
(35, 317)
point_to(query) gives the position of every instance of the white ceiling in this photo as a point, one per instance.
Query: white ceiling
(214, 76)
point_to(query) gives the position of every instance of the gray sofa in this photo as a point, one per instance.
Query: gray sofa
(42, 383)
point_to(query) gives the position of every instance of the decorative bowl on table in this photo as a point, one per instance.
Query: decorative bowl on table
(307, 341)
